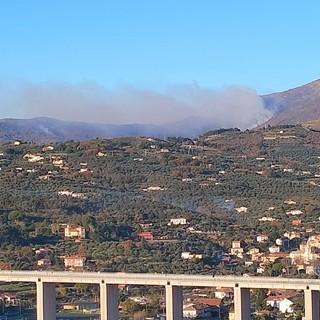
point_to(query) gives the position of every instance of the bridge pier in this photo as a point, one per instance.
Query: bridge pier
(241, 303)
(108, 301)
(311, 304)
(46, 300)
(174, 303)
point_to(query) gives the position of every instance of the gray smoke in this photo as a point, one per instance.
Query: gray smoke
(232, 106)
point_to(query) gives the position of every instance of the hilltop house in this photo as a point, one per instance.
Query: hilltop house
(189, 256)
(74, 262)
(57, 161)
(153, 188)
(241, 209)
(44, 263)
(262, 238)
(32, 157)
(74, 233)
(255, 254)
(274, 249)
(236, 249)
(177, 221)
(47, 148)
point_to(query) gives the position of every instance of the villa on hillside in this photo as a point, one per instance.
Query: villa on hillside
(75, 233)
(74, 262)
(177, 221)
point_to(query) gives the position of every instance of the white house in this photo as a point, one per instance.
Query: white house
(44, 263)
(267, 219)
(153, 188)
(289, 202)
(260, 269)
(177, 221)
(284, 304)
(224, 293)
(236, 249)
(294, 212)
(47, 148)
(262, 238)
(74, 262)
(274, 249)
(189, 256)
(241, 209)
(193, 311)
(33, 157)
(101, 154)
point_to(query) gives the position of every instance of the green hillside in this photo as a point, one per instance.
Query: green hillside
(118, 188)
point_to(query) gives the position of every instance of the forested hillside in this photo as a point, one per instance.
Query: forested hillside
(227, 184)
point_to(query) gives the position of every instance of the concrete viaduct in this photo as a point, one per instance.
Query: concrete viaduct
(46, 282)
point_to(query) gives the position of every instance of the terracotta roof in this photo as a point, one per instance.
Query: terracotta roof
(197, 306)
(212, 302)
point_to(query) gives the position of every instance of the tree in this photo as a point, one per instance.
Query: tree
(259, 298)
(130, 306)
(276, 268)
(82, 287)
(62, 291)
(15, 215)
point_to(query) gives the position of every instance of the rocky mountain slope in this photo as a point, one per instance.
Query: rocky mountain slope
(294, 106)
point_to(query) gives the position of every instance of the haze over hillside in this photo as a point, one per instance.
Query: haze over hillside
(187, 111)
(45, 130)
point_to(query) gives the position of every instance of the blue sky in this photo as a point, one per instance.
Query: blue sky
(152, 45)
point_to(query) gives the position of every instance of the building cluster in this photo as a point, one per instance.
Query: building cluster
(294, 250)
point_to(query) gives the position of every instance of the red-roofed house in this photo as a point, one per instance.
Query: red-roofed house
(212, 302)
(215, 304)
(272, 257)
(146, 235)
(296, 222)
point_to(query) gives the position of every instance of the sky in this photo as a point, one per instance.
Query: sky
(124, 61)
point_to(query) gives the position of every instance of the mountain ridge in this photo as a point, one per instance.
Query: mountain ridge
(294, 106)
(46, 130)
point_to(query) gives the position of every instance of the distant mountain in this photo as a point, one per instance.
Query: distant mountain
(45, 130)
(294, 106)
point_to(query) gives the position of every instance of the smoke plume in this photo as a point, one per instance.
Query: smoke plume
(90, 102)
